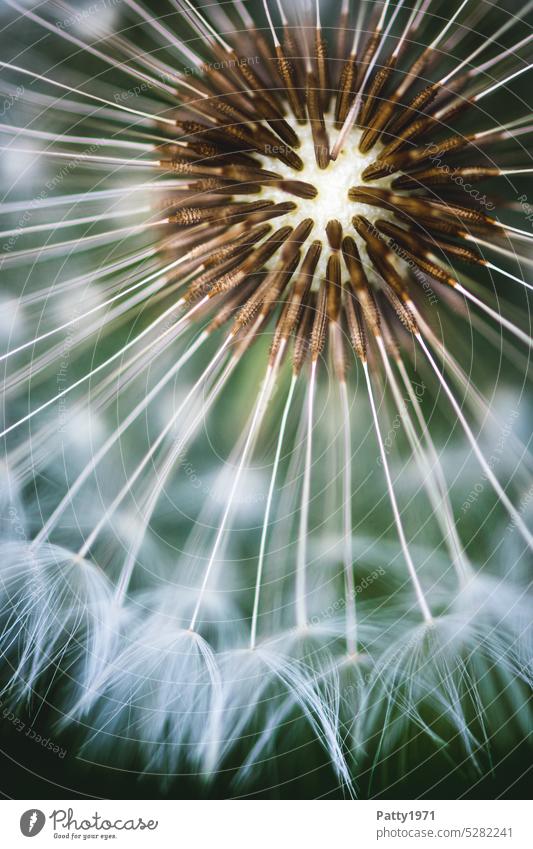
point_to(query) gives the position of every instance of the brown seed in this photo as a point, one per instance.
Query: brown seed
(334, 234)
(320, 322)
(286, 70)
(302, 338)
(369, 103)
(355, 323)
(318, 127)
(346, 91)
(321, 57)
(443, 176)
(333, 281)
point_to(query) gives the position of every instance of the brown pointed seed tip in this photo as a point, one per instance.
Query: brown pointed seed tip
(334, 234)
(334, 292)
(287, 73)
(320, 322)
(298, 188)
(355, 323)
(353, 263)
(346, 91)
(302, 341)
(403, 311)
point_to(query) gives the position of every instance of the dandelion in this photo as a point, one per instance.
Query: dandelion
(287, 244)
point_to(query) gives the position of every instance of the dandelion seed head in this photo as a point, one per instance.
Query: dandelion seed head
(331, 201)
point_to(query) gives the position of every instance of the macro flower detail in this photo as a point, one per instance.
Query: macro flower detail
(259, 490)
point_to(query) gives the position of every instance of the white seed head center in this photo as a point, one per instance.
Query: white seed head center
(332, 184)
